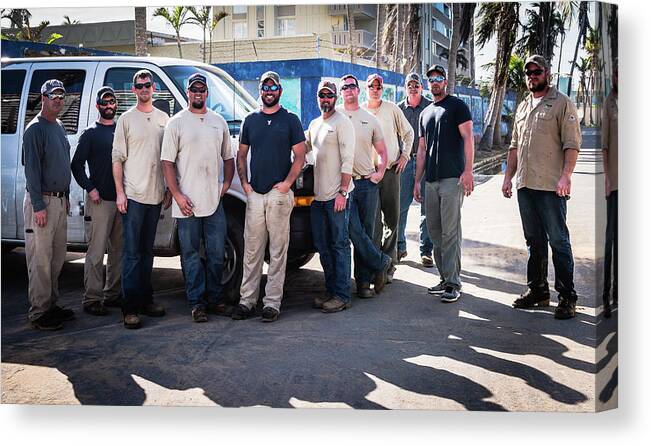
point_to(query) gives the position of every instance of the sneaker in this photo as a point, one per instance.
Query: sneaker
(390, 274)
(531, 299)
(437, 289)
(381, 278)
(199, 315)
(242, 312)
(131, 321)
(566, 309)
(402, 255)
(47, 321)
(153, 310)
(63, 314)
(320, 300)
(334, 305)
(269, 314)
(96, 309)
(364, 290)
(219, 309)
(450, 294)
(426, 260)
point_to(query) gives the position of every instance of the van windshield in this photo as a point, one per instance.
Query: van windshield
(226, 97)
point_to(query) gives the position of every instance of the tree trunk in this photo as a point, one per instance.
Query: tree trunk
(472, 52)
(203, 53)
(377, 36)
(582, 19)
(140, 16)
(178, 43)
(454, 47)
(497, 134)
(560, 58)
(351, 32)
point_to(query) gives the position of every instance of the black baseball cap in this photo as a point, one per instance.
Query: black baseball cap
(197, 77)
(103, 92)
(438, 69)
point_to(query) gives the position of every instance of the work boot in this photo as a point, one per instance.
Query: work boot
(153, 309)
(531, 299)
(48, 322)
(381, 277)
(334, 305)
(199, 315)
(131, 321)
(401, 255)
(566, 308)
(364, 290)
(320, 300)
(95, 308)
(269, 314)
(242, 312)
(426, 260)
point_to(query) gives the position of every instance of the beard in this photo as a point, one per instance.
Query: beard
(107, 113)
(539, 87)
(272, 102)
(198, 104)
(326, 107)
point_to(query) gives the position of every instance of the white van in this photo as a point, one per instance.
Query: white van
(83, 77)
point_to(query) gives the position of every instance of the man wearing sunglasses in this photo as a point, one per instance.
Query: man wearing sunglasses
(94, 148)
(412, 106)
(46, 153)
(195, 145)
(140, 192)
(543, 152)
(371, 264)
(331, 139)
(445, 155)
(398, 137)
(272, 134)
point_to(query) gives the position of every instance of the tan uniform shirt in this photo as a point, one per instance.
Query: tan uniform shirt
(609, 136)
(541, 135)
(198, 144)
(394, 125)
(137, 145)
(367, 132)
(332, 142)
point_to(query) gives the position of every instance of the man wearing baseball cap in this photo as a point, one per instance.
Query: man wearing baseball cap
(331, 139)
(94, 148)
(195, 145)
(272, 134)
(398, 137)
(543, 152)
(46, 153)
(412, 106)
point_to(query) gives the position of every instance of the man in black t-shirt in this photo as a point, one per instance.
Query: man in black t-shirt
(272, 134)
(94, 147)
(445, 154)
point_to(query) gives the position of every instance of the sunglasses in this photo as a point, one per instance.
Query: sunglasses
(375, 88)
(52, 96)
(105, 102)
(327, 95)
(536, 72)
(348, 86)
(143, 85)
(270, 87)
(197, 90)
(436, 79)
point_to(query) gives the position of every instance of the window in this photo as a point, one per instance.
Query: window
(259, 16)
(121, 79)
(439, 27)
(73, 80)
(240, 29)
(285, 20)
(12, 87)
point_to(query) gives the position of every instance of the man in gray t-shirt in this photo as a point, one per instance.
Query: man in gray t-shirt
(46, 155)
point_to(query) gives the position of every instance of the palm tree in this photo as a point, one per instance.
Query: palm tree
(593, 48)
(401, 36)
(201, 17)
(177, 17)
(140, 31)
(540, 32)
(215, 19)
(68, 21)
(501, 20)
(582, 94)
(351, 32)
(19, 19)
(568, 12)
(584, 23)
(462, 14)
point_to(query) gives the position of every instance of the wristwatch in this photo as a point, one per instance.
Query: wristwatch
(343, 193)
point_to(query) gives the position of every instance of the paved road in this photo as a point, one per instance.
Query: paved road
(403, 349)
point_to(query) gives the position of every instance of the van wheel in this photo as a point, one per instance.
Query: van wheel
(297, 262)
(233, 257)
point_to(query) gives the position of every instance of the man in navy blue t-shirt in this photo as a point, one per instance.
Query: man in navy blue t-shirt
(445, 154)
(271, 134)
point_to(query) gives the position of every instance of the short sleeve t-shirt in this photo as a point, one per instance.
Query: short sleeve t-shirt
(270, 138)
(367, 132)
(439, 124)
(197, 144)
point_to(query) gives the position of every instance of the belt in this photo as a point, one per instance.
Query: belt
(54, 194)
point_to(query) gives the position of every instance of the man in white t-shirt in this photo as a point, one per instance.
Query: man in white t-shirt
(195, 144)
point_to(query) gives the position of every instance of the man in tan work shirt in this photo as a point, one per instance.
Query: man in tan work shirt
(542, 156)
(395, 126)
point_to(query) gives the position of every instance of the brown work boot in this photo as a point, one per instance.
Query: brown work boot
(381, 278)
(364, 290)
(334, 305)
(531, 299)
(320, 300)
(131, 321)
(199, 315)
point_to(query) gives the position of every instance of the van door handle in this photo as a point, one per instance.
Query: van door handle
(81, 208)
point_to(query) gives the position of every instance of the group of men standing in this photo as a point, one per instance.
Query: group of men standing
(370, 161)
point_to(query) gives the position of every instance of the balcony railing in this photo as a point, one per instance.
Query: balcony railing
(361, 39)
(366, 11)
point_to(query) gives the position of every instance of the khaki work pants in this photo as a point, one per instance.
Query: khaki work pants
(267, 218)
(45, 250)
(105, 236)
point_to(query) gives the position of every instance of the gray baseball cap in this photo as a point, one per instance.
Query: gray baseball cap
(412, 77)
(270, 75)
(538, 60)
(50, 85)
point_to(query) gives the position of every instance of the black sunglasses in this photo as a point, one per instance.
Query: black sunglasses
(347, 86)
(197, 90)
(53, 96)
(140, 86)
(536, 72)
(105, 102)
(270, 88)
(327, 95)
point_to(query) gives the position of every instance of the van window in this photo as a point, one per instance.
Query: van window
(73, 80)
(121, 79)
(12, 87)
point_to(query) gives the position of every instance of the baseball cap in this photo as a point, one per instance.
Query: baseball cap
(374, 77)
(50, 85)
(438, 68)
(103, 92)
(327, 85)
(412, 77)
(270, 75)
(197, 77)
(538, 60)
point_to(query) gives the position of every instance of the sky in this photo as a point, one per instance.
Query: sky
(76, 11)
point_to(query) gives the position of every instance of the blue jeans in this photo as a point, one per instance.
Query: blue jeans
(363, 209)
(543, 215)
(139, 231)
(203, 279)
(330, 235)
(407, 180)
